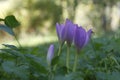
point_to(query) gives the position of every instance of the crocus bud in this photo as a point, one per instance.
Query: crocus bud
(81, 37)
(50, 54)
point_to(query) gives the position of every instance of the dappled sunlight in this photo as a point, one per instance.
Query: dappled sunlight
(59, 40)
(36, 18)
(31, 40)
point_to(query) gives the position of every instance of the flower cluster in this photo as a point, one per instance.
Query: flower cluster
(70, 33)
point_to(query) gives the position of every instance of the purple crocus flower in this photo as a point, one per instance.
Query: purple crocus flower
(60, 29)
(70, 31)
(65, 32)
(50, 54)
(81, 37)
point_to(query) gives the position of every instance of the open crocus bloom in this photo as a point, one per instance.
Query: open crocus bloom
(81, 37)
(60, 29)
(50, 54)
(65, 32)
(70, 31)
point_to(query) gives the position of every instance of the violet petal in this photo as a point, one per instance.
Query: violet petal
(80, 37)
(89, 32)
(70, 31)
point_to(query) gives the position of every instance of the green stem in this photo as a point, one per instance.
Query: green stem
(51, 75)
(75, 62)
(59, 52)
(17, 41)
(115, 61)
(49, 66)
(67, 58)
(1, 19)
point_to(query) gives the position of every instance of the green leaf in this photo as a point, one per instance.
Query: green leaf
(108, 76)
(11, 21)
(36, 63)
(19, 71)
(114, 76)
(62, 70)
(71, 76)
(75, 76)
(13, 52)
(59, 77)
(22, 72)
(8, 66)
(98, 46)
(101, 76)
(55, 60)
(6, 29)
(10, 46)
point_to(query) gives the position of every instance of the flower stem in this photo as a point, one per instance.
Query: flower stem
(17, 41)
(51, 76)
(59, 52)
(75, 62)
(67, 58)
(1, 19)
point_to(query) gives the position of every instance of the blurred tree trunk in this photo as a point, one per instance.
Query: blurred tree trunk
(69, 7)
(106, 18)
(30, 14)
(105, 12)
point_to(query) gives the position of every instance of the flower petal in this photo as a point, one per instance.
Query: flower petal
(60, 32)
(63, 33)
(80, 37)
(88, 36)
(70, 31)
(58, 29)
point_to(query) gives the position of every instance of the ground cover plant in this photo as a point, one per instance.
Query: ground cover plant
(70, 58)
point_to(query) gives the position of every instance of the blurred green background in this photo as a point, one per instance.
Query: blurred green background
(38, 17)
